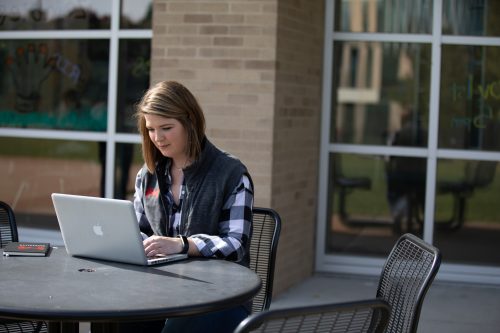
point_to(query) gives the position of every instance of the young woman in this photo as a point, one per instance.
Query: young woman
(190, 196)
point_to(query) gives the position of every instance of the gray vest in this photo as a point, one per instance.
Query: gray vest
(209, 181)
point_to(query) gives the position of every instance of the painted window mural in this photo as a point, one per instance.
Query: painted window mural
(54, 14)
(69, 80)
(62, 83)
(56, 84)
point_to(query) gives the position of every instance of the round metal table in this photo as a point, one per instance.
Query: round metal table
(61, 288)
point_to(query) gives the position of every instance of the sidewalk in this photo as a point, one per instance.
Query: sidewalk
(448, 307)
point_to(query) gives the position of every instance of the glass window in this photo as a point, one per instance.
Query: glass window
(471, 17)
(54, 84)
(136, 14)
(128, 162)
(133, 80)
(467, 226)
(62, 83)
(54, 14)
(381, 93)
(32, 169)
(390, 16)
(469, 115)
(372, 201)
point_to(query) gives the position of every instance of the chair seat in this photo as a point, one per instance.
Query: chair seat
(366, 316)
(354, 182)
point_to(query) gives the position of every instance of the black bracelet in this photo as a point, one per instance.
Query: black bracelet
(185, 244)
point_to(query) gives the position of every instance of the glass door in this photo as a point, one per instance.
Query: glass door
(409, 134)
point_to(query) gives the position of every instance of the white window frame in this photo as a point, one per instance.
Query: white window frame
(114, 34)
(372, 266)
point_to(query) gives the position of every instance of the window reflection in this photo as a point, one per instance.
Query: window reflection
(469, 115)
(466, 213)
(393, 16)
(471, 17)
(406, 192)
(373, 200)
(128, 163)
(54, 14)
(133, 80)
(381, 93)
(32, 169)
(55, 84)
(136, 14)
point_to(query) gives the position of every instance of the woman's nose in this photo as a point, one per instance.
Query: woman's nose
(158, 136)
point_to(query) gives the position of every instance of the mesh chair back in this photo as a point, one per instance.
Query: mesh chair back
(407, 275)
(8, 228)
(12, 326)
(263, 247)
(8, 233)
(352, 317)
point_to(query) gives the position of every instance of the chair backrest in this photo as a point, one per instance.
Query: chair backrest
(263, 247)
(407, 275)
(480, 173)
(354, 317)
(8, 233)
(8, 228)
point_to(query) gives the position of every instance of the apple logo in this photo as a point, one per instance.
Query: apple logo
(98, 230)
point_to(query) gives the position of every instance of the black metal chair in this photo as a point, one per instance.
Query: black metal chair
(477, 175)
(351, 317)
(8, 233)
(406, 276)
(263, 247)
(345, 185)
(8, 228)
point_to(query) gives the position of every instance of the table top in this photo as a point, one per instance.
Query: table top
(60, 287)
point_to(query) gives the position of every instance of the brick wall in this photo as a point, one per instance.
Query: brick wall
(255, 67)
(224, 51)
(297, 135)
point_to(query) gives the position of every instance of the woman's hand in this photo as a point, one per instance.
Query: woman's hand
(158, 245)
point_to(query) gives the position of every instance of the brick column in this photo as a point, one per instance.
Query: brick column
(255, 67)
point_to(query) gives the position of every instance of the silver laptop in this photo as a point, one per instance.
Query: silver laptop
(103, 228)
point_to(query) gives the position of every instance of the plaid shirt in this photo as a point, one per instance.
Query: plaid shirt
(234, 224)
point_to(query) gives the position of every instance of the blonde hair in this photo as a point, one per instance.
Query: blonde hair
(170, 99)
